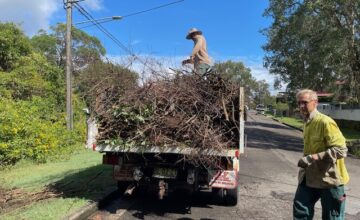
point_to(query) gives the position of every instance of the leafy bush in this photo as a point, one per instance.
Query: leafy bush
(34, 77)
(33, 129)
(281, 109)
(32, 104)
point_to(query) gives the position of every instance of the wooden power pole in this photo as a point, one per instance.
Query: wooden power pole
(69, 111)
(241, 120)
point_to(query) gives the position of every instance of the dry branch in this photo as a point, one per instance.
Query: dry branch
(185, 110)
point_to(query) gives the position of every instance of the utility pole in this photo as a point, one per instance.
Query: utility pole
(241, 120)
(69, 111)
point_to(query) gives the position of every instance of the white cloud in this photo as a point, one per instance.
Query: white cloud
(145, 65)
(254, 63)
(31, 15)
(94, 5)
(135, 42)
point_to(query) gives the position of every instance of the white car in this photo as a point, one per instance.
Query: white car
(260, 109)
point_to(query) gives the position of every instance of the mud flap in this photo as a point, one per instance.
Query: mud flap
(227, 179)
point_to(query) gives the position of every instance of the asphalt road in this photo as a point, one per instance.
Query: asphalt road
(268, 180)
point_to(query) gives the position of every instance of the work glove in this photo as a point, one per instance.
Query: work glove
(305, 161)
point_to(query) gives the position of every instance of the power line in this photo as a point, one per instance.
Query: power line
(108, 34)
(151, 9)
(90, 25)
(101, 28)
(139, 12)
(100, 22)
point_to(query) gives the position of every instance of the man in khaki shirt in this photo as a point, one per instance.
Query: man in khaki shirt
(199, 56)
(322, 173)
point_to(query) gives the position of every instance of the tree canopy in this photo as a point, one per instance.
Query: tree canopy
(255, 90)
(13, 45)
(99, 77)
(311, 44)
(85, 48)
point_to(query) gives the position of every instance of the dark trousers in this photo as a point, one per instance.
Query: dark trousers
(332, 202)
(202, 69)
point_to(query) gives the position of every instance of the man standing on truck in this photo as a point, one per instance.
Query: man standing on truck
(199, 56)
(322, 172)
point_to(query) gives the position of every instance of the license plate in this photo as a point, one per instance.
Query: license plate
(123, 173)
(165, 173)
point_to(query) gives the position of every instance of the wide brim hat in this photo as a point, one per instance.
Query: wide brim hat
(192, 31)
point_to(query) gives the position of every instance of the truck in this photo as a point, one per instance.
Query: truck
(164, 169)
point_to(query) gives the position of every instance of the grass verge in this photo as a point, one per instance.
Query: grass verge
(349, 134)
(298, 123)
(55, 189)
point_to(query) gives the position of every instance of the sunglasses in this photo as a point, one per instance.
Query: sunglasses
(303, 102)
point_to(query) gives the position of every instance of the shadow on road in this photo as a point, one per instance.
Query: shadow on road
(267, 125)
(267, 134)
(92, 183)
(176, 204)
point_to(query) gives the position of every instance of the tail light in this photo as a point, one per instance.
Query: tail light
(237, 153)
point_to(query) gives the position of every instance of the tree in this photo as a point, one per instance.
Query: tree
(98, 77)
(46, 44)
(270, 100)
(13, 45)
(257, 91)
(311, 44)
(26, 73)
(261, 92)
(281, 108)
(238, 72)
(85, 48)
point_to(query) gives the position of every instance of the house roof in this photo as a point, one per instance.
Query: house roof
(339, 82)
(324, 94)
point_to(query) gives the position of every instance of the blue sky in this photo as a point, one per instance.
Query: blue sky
(231, 27)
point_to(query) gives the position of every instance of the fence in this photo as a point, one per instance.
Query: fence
(340, 112)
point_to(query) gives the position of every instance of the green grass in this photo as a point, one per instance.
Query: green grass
(44, 210)
(291, 121)
(80, 179)
(349, 134)
(42, 174)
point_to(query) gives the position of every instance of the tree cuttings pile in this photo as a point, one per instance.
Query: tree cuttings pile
(185, 110)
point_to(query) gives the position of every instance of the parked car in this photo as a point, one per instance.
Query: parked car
(260, 109)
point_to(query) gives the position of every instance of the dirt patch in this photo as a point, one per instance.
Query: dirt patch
(15, 198)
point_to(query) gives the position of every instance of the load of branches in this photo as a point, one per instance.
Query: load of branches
(186, 110)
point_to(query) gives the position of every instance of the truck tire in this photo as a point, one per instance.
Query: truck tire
(231, 196)
(227, 197)
(122, 186)
(218, 195)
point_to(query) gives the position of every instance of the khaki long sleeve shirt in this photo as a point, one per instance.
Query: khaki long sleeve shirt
(199, 52)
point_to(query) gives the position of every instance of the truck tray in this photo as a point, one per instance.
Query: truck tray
(166, 150)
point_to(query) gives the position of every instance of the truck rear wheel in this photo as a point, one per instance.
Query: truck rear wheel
(122, 186)
(231, 197)
(225, 196)
(218, 195)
